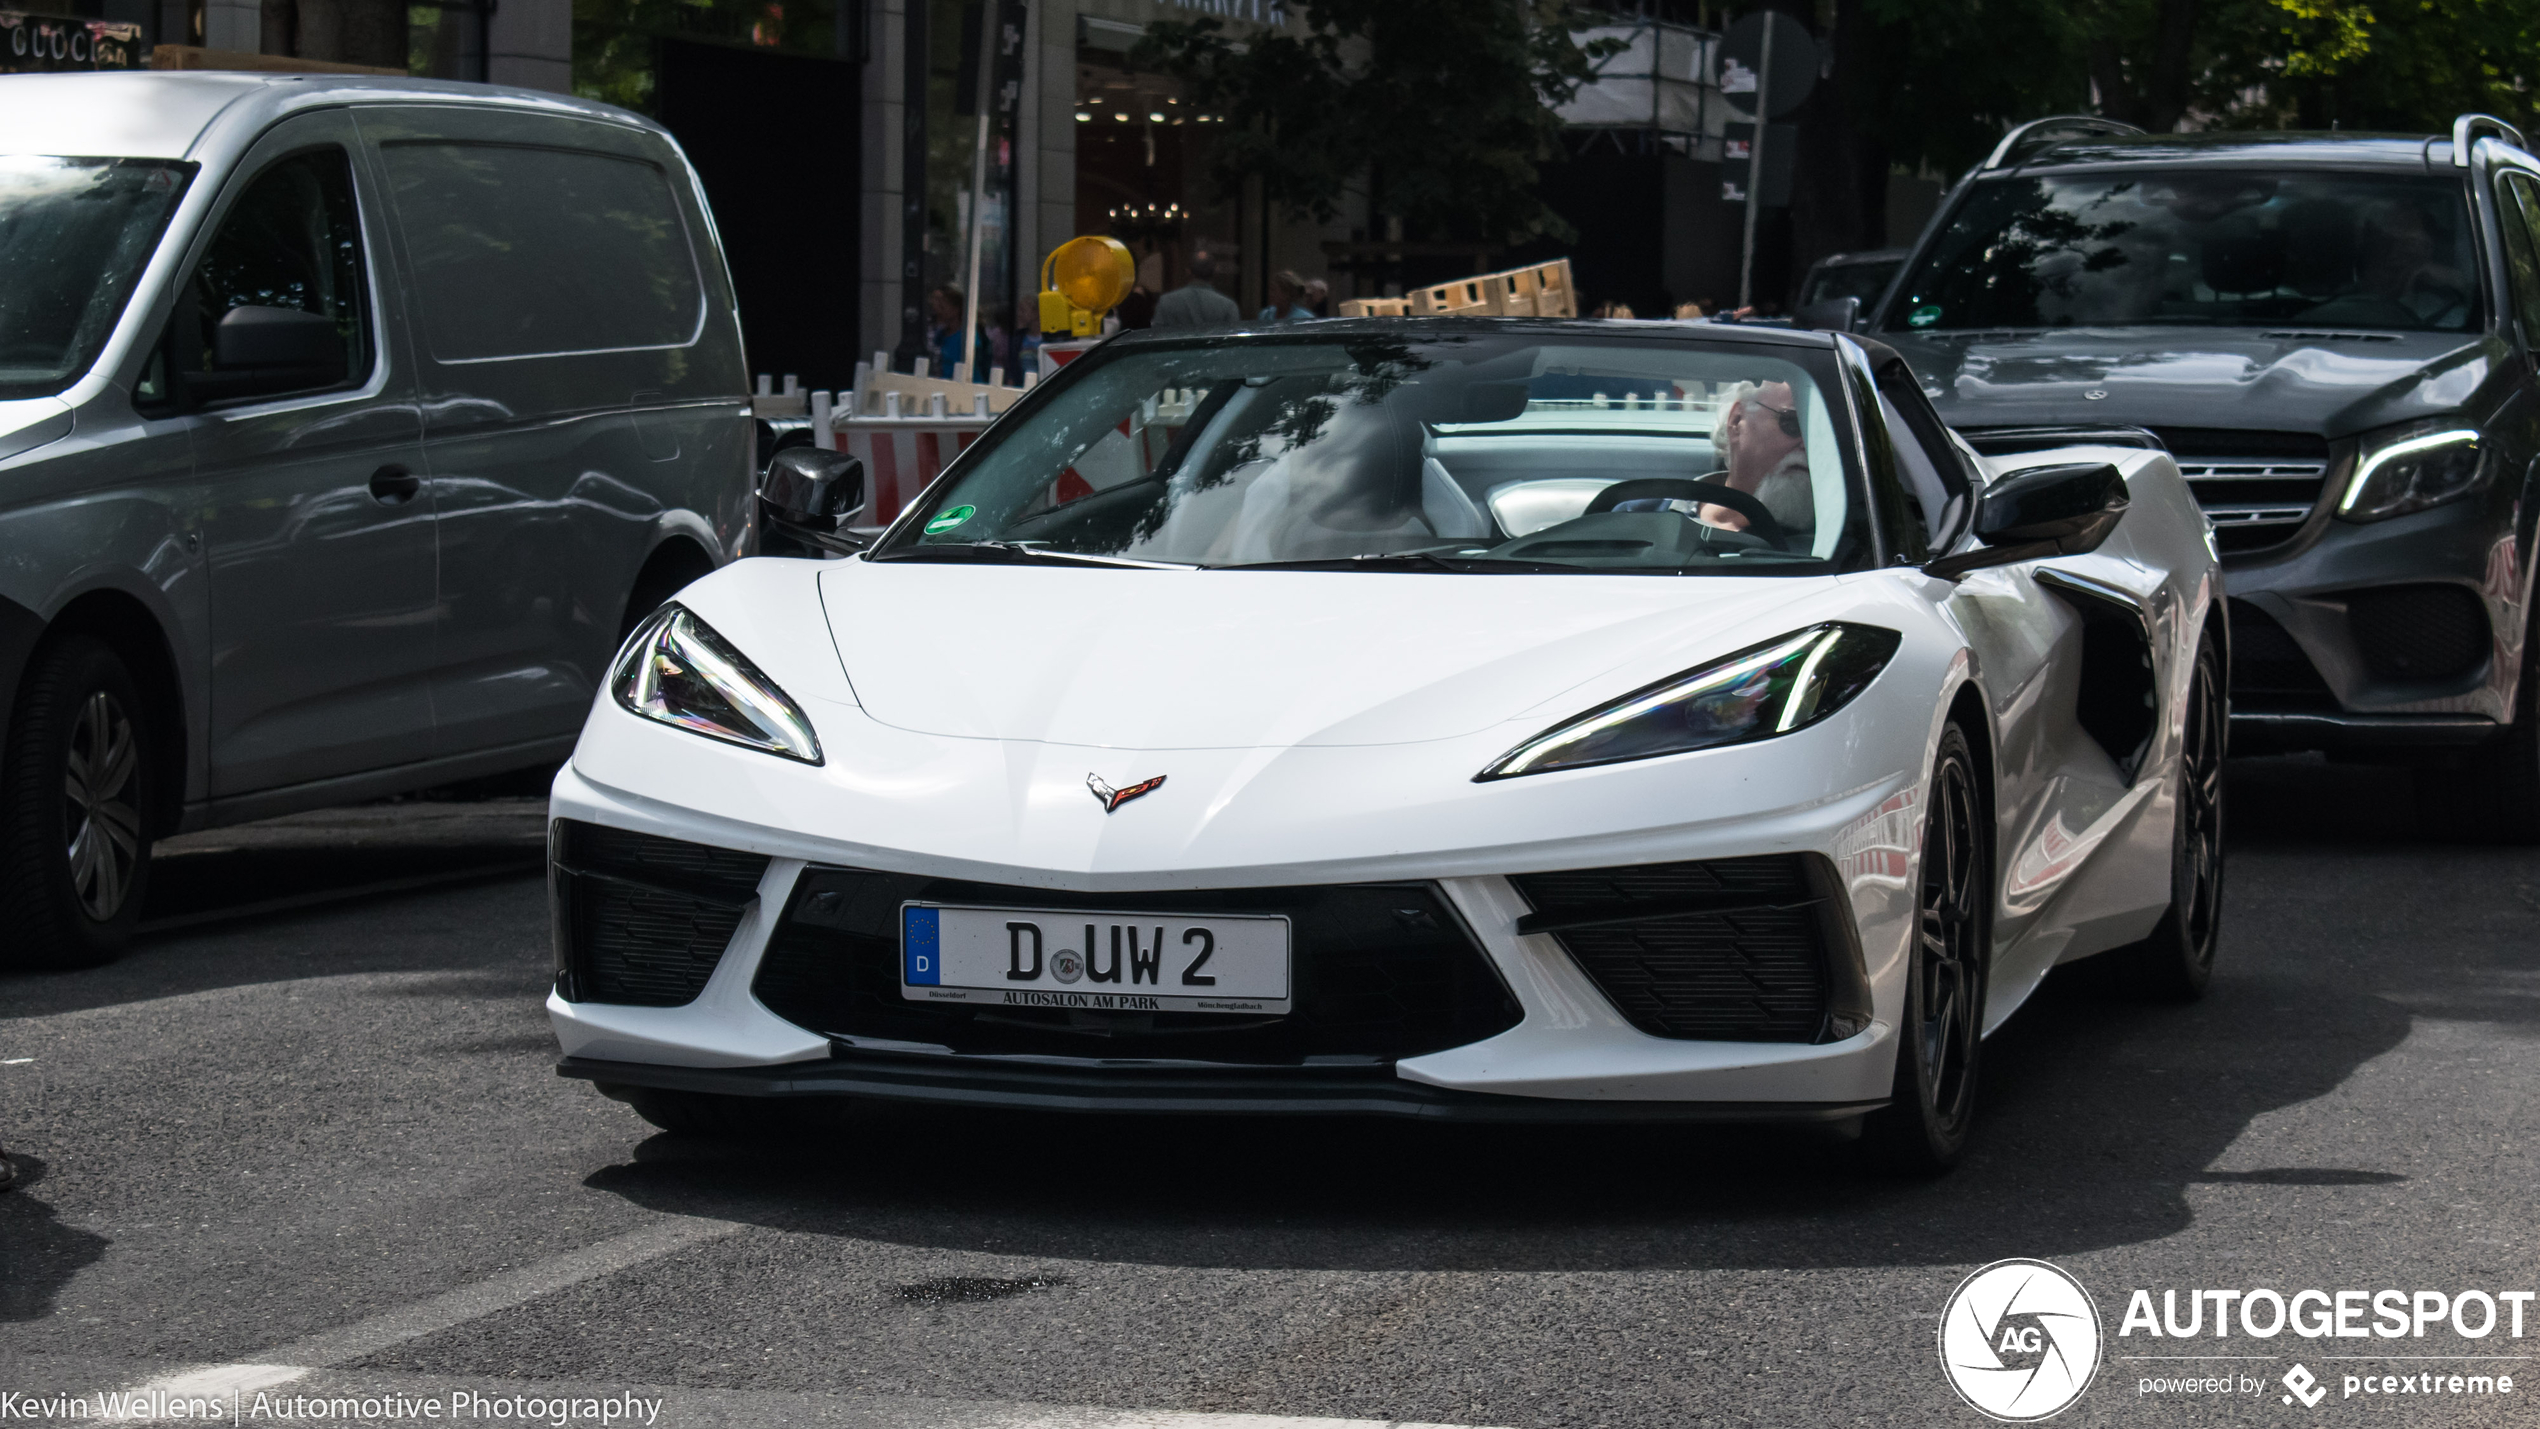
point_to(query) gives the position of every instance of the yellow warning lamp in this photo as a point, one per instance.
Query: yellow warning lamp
(1081, 280)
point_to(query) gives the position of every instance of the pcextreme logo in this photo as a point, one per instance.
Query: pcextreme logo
(2019, 1340)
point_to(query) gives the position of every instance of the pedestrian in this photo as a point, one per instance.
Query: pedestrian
(946, 306)
(1197, 303)
(1611, 309)
(1318, 297)
(1287, 299)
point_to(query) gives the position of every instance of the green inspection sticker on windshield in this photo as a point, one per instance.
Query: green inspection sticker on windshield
(950, 519)
(1923, 316)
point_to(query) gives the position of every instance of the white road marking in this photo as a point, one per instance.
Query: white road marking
(285, 1363)
(313, 1354)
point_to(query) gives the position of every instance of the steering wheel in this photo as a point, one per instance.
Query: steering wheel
(1759, 520)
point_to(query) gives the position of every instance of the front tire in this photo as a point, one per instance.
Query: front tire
(2177, 961)
(1940, 1038)
(76, 784)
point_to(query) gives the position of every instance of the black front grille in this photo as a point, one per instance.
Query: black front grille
(643, 920)
(1380, 971)
(2269, 672)
(2419, 632)
(2256, 487)
(1737, 950)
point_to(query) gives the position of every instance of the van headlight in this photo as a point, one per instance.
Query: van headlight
(675, 669)
(1766, 690)
(2411, 468)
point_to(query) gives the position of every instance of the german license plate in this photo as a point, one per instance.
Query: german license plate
(1122, 962)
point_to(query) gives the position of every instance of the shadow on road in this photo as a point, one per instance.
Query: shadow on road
(38, 1252)
(223, 906)
(2098, 1114)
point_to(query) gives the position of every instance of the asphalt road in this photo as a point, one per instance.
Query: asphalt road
(301, 1129)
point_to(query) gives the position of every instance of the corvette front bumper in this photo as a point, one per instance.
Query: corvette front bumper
(1571, 1054)
(982, 1082)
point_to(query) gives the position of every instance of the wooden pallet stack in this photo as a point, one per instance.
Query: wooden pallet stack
(1540, 290)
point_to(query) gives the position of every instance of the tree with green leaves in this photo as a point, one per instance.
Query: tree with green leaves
(1443, 108)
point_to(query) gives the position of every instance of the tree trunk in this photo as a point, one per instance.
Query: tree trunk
(278, 24)
(1839, 202)
(2173, 45)
(362, 32)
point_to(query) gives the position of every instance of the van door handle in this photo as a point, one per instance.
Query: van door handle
(393, 485)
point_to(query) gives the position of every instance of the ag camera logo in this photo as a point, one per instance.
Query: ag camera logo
(2019, 1340)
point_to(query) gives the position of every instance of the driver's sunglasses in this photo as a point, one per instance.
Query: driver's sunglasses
(1787, 417)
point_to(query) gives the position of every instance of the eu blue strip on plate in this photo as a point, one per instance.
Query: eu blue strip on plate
(918, 953)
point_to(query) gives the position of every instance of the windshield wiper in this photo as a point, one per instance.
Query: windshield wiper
(1012, 552)
(1413, 560)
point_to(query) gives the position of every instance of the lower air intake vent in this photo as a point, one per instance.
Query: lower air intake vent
(1732, 950)
(2269, 672)
(1381, 971)
(642, 920)
(2419, 632)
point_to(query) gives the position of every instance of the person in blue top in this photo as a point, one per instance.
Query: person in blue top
(1287, 299)
(946, 305)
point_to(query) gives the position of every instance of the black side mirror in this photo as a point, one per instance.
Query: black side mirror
(1832, 315)
(2049, 511)
(261, 352)
(807, 498)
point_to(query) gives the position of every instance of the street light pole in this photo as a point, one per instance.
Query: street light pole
(1755, 166)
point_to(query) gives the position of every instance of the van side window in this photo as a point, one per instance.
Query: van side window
(293, 240)
(525, 252)
(2517, 214)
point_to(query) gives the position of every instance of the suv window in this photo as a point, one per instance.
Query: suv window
(2518, 212)
(2200, 248)
(293, 240)
(524, 252)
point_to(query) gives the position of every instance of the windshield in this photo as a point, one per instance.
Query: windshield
(1483, 453)
(74, 237)
(2210, 248)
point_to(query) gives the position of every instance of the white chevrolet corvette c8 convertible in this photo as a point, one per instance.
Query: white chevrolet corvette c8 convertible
(1493, 719)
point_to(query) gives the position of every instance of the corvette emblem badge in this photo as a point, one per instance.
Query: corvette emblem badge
(1111, 799)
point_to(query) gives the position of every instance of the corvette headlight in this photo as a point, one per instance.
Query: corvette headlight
(677, 670)
(2411, 469)
(1757, 693)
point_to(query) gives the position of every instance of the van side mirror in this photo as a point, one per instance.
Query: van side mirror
(806, 500)
(1832, 315)
(262, 352)
(2048, 511)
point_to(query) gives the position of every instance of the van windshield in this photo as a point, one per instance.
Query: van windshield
(1487, 454)
(74, 237)
(2200, 248)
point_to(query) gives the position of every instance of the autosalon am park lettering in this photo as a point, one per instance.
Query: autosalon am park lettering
(1132, 954)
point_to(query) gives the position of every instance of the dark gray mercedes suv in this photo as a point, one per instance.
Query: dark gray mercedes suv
(2335, 335)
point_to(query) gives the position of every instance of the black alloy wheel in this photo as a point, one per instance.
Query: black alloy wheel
(1940, 1040)
(75, 787)
(2176, 962)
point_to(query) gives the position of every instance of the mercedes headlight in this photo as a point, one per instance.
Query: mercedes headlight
(1757, 693)
(677, 670)
(2410, 469)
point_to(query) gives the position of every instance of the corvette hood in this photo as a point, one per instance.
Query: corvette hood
(2327, 384)
(1233, 659)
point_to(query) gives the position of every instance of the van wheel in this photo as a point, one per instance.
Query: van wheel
(2175, 963)
(75, 782)
(1940, 1036)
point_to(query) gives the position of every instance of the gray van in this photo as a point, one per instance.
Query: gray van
(346, 424)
